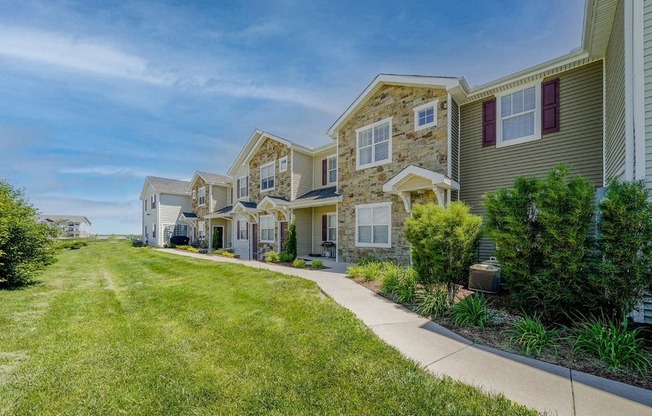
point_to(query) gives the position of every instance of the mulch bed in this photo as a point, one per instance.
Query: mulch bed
(498, 333)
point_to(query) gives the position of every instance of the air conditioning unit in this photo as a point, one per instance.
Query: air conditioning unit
(484, 278)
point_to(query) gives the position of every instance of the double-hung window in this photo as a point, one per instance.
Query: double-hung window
(373, 225)
(267, 228)
(201, 226)
(519, 116)
(425, 115)
(331, 223)
(374, 144)
(242, 230)
(243, 191)
(267, 176)
(283, 164)
(153, 201)
(202, 196)
(332, 169)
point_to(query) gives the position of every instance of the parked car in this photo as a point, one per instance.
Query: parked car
(180, 240)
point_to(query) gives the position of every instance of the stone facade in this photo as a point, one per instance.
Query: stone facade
(426, 148)
(270, 151)
(202, 210)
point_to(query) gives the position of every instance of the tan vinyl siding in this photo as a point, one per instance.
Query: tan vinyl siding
(303, 218)
(242, 171)
(647, 68)
(615, 98)
(455, 145)
(219, 197)
(301, 174)
(316, 231)
(578, 143)
(317, 161)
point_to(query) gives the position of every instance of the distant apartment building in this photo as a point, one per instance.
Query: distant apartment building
(71, 225)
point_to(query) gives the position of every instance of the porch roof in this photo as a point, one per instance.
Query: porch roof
(415, 178)
(317, 197)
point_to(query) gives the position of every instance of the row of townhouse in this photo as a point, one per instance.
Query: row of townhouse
(418, 139)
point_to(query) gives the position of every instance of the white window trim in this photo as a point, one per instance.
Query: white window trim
(199, 196)
(357, 148)
(334, 216)
(243, 179)
(237, 235)
(422, 107)
(260, 231)
(537, 116)
(389, 231)
(273, 165)
(328, 170)
(280, 161)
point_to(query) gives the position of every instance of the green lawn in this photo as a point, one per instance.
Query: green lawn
(112, 329)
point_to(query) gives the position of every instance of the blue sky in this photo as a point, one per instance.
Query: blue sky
(97, 95)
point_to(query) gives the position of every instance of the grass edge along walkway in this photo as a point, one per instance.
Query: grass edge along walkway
(116, 330)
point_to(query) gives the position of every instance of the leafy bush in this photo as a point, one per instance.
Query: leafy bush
(444, 242)
(398, 282)
(291, 242)
(471, 311)
(317, 264)
(366, 271)
(368, 259)
(433, 301)
(625, 246)
(190, 249)
(299, 263)
(71, 245)
(25, 245)
(224, 253)
(272, 257)
(285, 257)
(615, 345)
(531, 336)
(541, 230)
(169, 245)
(137, 243)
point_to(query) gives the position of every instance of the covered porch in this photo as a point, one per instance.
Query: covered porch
(416, 180)
(316, 219)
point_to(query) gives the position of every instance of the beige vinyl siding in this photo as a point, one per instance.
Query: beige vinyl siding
(242, 171)
(303, 218)
(170, 206)
(219, 197)
(578, 143)
(455, 148)
(615, 98)
(301, 174)
(316, 231)
(317, 161)
(647, 68)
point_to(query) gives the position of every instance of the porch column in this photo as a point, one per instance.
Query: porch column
(210, 235)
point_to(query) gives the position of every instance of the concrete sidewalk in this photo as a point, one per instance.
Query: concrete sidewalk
(541, 386)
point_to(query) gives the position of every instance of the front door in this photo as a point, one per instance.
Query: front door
(218, 237)
(283, 229)
(254, 241)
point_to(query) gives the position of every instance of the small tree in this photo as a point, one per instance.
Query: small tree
(444, 243)
(25, 245)
(625, 247)
(291, 242)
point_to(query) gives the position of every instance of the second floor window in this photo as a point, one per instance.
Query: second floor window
(267, 176)
(153, 201)
(374, 144)
(202, 196)
(242, 187)
(283, 164)
(518, 116)
(425, 115)
(332, 169)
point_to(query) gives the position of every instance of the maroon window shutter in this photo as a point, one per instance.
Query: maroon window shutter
(324, 171)
(238, 229)
(238, 191)
(247, 237)
(324, 228)
(550, 106)
(489, 123)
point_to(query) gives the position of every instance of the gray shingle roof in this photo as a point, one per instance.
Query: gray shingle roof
(213, 177)
(224, 210)
(189, 214)
(317, 194)
(248, 204)
(164, 185)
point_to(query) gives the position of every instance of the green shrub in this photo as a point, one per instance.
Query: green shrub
(224, 253)
(531, 336)
(285, 257)
(433, 301)
(444, 242)
(368, 259)
(272, 257)
(615, 345)
(398, 283)
(170, 245)
(71, 244)
(625, 245)
(299, 263)
(367, 271)
(25, 245)
(541, 230)
(317, 264)
(471, 311)
(291, 242)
